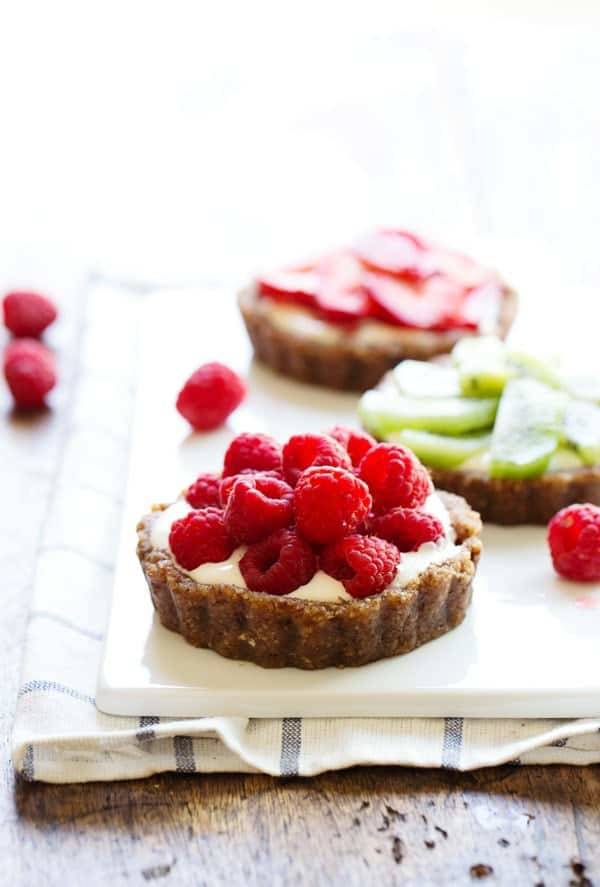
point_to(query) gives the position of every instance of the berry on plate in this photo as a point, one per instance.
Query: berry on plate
(210, 395)
(258, 506)
(364, 564)
(258, 452)
(279, 564)
(395, 477)
(204, 491)
(27, 313)
(304, 451)
(330, 503)
(574, 540)
(356, 443)
(407, 528)
(200, 538)
(29, 371)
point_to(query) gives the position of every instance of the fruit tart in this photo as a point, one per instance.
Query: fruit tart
(510, 432)
(344, 319)
(332, 550)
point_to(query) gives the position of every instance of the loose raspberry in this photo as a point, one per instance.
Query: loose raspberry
(407, 528)
(256, 451)
(395, 477)
(356, 443)
(28, 314)
(279, 564)
(226, 483)
(330, 503)
(574, 540)
(365, 565)
(210, 395)
(200, 538)
(304, 451)
(29, 371)
(204, 491)
(258, 506)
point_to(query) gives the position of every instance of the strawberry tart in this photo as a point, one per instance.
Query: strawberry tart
(344, 319)
(332, 550)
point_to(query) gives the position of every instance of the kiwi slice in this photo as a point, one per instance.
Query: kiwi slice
(441, 450)
(417, 378)
(382, 413)
(582, 428)
(528, 364)
(528, 429)
(483, 366)
(583, 387)
(564, 459)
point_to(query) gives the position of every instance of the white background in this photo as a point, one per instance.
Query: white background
(180, 142)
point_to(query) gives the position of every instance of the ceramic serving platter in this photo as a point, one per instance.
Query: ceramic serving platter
(529, 646)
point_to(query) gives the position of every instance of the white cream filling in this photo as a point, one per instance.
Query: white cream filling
(321, 587)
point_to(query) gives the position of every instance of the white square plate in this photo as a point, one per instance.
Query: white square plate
(529, 646)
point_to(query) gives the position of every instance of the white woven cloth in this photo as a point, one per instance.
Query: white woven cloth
(60, 736)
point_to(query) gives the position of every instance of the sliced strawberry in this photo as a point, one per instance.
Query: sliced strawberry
(395, 301)
(342, 296)
(300, 287)
(459, 268)
(396, 252)
(480, 306)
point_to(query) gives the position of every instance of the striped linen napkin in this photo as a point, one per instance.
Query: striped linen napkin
(60, 736)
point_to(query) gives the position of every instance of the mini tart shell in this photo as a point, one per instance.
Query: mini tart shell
(512, 502)
(345, 363)
(276, 631)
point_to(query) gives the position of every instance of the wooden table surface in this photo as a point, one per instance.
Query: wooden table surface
(475, 125)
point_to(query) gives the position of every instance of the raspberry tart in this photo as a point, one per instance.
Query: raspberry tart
(332, 550)
(512, 434)
(345, 319)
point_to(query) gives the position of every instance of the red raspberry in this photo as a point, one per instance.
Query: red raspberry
(226, 483)
(279, 564)
(256, 451)
(574, 540)
(204, 491)
(407, 528)
(28, 314)
(304, 451)
(200, 538)
(29, 371)
(365, 565)
(257, 506)
(395, 477)
(210, 395)
(356, 443)
(330, 503)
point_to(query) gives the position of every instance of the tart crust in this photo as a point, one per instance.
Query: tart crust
(512, 502)
(281, 631)
(344, 362)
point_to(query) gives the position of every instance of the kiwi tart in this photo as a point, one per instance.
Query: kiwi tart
(518, 438)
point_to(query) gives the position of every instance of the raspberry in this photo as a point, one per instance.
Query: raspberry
(407, 528)
(29, 371)
(258, 506)
(365, 565)
(256, 451)
(200, 538)
(330, 503)
(304, 451)
(356, 443)
(395, 477)
(279, 564)
(226, 483)
(28, 314)
(210, 395)
(204, 491)
(574, 540)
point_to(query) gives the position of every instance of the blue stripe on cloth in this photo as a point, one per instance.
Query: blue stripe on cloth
(184, 754)
(54, 687)
(291, 746)
(452, 743)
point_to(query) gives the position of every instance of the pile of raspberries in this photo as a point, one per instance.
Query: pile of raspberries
(339, 502)
(29, 367)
